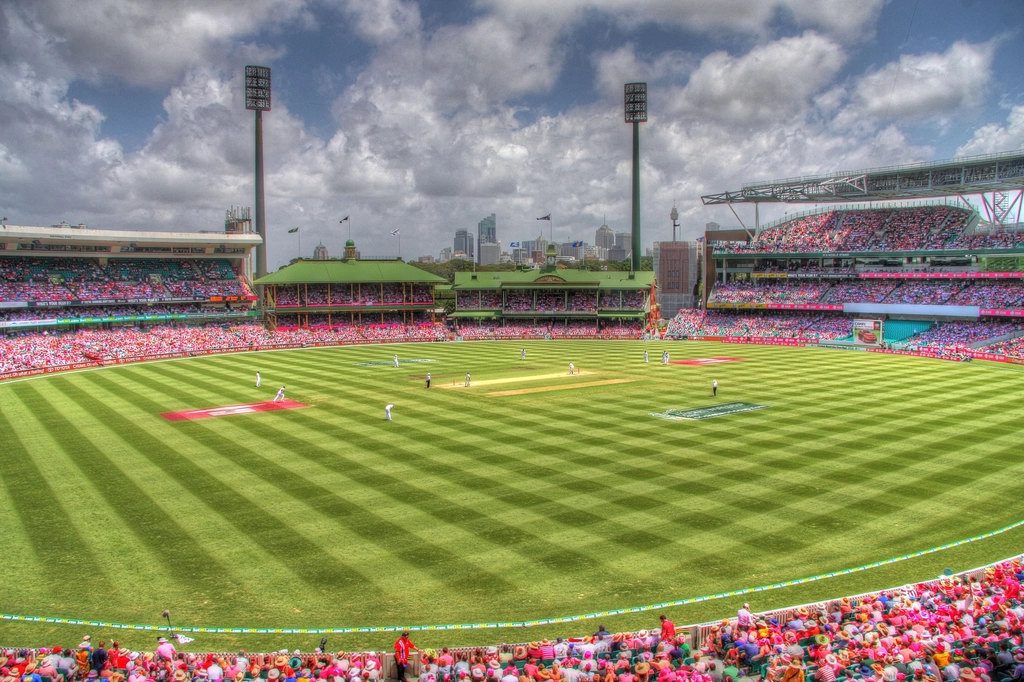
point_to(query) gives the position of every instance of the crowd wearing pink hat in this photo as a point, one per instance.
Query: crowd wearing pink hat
(955, 629)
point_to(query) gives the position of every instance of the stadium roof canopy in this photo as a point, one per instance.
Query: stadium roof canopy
(967, 175)
(71, 234)
(549, 278)
(350, 271)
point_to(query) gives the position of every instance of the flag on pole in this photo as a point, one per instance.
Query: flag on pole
(577, 244)
(343, 220)
(293, 230)
(700, 239)
(394, 233)
(513, 245)
(547, 217)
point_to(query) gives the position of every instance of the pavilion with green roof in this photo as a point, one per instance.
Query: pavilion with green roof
(552, 295)
(349, 291)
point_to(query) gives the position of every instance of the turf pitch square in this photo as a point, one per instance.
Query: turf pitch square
(467, 509)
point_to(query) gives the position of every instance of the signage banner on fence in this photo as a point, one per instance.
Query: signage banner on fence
(765, 340)
(1000, 312)
(941, 275)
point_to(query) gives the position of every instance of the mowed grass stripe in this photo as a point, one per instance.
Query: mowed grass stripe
(297, 500)
(280, 541)
(852, 446)
(62, 554)
(490, 530)
(414, 551)
(185, 561)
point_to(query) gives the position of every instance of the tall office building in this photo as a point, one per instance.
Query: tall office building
(464, 242)
(486, 233)
(487, 230)
(605, 237)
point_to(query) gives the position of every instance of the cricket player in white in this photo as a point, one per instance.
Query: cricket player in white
(387, 412)
(257, 379)
(467, 379)
(572, 368)
(522, 354)
(396, 361)
(280, 395)
(645, 357)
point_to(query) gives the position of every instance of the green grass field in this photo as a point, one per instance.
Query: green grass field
(472, 506)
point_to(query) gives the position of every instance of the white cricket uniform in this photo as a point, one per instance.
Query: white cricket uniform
(280, 395)
(387, 412)
(396, 361)
(645, 357)
(257, 379)
(572, 368)
(467, 379)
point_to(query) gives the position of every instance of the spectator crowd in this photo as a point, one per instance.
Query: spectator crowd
(953, 629)
(933, 228)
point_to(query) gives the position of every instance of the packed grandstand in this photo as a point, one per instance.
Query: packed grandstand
(965, 628)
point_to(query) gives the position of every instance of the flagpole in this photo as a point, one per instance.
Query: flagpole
(299, 235)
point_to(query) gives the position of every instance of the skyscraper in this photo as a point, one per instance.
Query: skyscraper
(605, 237)
(464, 243)
(487, 230)
(487, 233)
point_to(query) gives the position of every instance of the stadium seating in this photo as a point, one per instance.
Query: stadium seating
(933, 228)
(985, 293)
(77, 279)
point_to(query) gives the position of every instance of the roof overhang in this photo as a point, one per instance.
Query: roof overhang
(79, 235)
(963, 176)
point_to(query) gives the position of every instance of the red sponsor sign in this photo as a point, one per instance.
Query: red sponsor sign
(1001, 312)
(941, 275)
(995, 357)
(918, 353)
(705, 361)
(228, 410)
(805, 306)
(768, 340)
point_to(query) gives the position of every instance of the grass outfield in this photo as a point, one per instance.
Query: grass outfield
(531, 494)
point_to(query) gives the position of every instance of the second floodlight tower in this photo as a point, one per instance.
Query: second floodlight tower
(257, 98)
(636, 113)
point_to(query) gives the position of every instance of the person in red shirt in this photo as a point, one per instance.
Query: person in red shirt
(403, 647)
(668, 629)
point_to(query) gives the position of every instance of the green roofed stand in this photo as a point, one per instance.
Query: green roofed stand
(616, 295)
(351, 277)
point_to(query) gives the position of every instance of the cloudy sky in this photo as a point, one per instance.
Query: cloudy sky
(427, 116)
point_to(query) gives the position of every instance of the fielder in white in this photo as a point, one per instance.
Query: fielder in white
(257, 379)
(396, 361)
(387, 412)
(280, 395)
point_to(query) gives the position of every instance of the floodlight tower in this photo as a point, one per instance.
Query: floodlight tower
(257, 98)
(636, 113)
